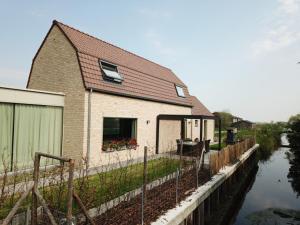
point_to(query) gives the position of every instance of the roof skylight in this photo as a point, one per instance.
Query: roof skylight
(179, 91)
(110, 72)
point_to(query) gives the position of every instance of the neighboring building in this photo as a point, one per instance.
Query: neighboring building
(30, 121)
(243, 124)
(236, 119)
(110, 94)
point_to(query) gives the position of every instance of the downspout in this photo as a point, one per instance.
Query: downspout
(89, 131)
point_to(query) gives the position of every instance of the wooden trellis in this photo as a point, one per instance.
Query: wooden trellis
(37, 197)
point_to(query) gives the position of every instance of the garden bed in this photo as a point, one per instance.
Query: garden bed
(158, 200)
(97, 189)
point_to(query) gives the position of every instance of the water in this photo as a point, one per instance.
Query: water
(272, 199)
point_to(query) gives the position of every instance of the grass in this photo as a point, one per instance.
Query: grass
(109, 185)
(216, 146)
(268, 136)
(102, 187)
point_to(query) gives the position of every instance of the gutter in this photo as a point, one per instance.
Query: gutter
(89, 130)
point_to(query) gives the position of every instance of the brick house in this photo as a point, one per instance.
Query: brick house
(111, 94)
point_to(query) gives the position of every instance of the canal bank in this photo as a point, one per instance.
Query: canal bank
(206, 198)
(274, 196)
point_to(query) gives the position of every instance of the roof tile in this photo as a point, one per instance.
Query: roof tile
(142, 78)
(199, 108)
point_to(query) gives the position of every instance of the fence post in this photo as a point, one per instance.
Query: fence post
(35, 188)
(181, 148)
(177, 178)
(197, 172)
(144, 183)
(70, 192)
(27, 215)
(145, 173)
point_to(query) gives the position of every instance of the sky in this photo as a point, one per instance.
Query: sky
(234, 55)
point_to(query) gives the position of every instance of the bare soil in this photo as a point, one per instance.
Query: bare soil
(158, 201)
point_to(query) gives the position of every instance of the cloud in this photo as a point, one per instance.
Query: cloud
(289, 6)
(282, 31)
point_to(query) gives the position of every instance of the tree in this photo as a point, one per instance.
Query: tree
(226, 120)
(294, 131)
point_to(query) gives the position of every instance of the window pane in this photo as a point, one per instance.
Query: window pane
(6, 130)
(180, 91)
(113, 74)
(119, 128)
(111, 128)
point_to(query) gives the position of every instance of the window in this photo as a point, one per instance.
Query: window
(110, 72)
(26, 129)
(119, 129)
(196, 123)
(179, 91)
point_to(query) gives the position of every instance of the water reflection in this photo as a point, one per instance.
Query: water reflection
(273, 198)
(294, 171)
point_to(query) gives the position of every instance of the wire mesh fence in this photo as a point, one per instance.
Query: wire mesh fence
(127, 192)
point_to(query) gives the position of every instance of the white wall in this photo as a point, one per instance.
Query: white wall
(194, 132)
(104, 105)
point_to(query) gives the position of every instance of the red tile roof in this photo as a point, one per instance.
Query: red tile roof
(142, 78)
(199, 108)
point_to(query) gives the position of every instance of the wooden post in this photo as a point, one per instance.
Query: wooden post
(208, 206)
(197, 172)
(28, 215)
(70, 192)
(35, 188)
(220, 135)
(177, 179)
(201, 129)
(14, 210)
(145, 173)
(83, 209)
(157, 135)
(44, 204)
(201, 213)
(217, 197)
(215, 200)
(144, 183)
(196, 216)
(182, 129)
(181, 148)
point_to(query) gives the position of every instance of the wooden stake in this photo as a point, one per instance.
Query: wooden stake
(44, 204)
(35, 188)
(16, 207)
(78, 200)
(70, 192)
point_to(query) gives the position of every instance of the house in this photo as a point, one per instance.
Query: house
(236, 119)
(112, 96)
(243, 124)
(30, 121)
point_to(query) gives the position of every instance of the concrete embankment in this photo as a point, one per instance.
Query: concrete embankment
(194, 209)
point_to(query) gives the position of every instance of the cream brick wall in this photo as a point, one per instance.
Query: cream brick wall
(56, 69)
(194, 132)
(210, 130)
(103, 105)
(169, 132)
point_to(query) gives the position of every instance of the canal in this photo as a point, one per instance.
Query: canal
(273, 195)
